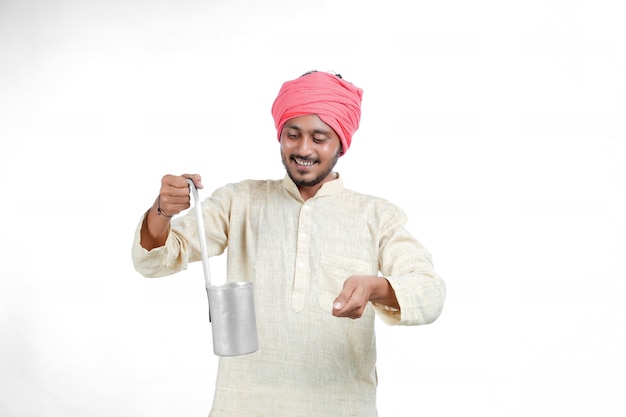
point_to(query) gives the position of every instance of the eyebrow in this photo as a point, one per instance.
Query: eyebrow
(314, 131)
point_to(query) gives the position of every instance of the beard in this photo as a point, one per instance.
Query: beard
(300, 182)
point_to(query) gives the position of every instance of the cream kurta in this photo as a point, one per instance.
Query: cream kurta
(298, 254)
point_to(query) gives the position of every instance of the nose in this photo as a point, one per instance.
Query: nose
(305, 146)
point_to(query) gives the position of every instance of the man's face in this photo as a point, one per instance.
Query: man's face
(310, 149)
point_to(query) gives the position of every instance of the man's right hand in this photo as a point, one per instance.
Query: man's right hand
(174, 194)
(173, 198)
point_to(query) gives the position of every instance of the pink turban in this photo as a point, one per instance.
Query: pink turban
(335, 101)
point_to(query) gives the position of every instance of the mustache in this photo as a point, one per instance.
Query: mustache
(303, 158)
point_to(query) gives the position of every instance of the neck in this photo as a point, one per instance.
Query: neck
(309, 191)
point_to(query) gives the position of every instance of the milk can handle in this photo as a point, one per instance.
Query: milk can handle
(201, 235)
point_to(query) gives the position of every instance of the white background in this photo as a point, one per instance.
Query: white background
(497, 125)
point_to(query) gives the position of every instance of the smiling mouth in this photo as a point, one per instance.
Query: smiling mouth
(304, 162)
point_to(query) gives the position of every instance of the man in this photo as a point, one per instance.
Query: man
(314, 251)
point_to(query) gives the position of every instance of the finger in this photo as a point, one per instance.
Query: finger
(344, 304)
(350, 311)
(172, 181)
(174, 190)
(175, 182)
(346, 308)
(352, 300)
(197, 180)
(175, 200)
(342, 299)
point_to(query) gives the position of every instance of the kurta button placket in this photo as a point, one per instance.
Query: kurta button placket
(303, 271)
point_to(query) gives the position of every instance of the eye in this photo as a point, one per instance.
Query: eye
(320, 139)
(292, 134)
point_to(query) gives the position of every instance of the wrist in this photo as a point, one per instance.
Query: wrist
(382, 292)
(160, 211)
(155, 229)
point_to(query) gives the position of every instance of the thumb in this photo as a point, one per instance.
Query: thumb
(343, 297)
(340, 302)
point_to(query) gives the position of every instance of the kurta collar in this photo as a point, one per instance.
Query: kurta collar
(328, 188)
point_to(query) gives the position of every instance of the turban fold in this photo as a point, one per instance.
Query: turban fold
(335, 101)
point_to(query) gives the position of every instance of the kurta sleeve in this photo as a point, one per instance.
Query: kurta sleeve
(408, 267)
(182, 245)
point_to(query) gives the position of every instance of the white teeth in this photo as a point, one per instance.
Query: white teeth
(303, 162)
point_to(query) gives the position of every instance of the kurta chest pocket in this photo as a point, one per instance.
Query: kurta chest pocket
(334, 270)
